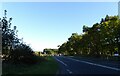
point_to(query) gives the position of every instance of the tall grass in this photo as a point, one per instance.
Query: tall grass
(47, 66)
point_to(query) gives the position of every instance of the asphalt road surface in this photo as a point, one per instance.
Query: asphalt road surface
(70, 66)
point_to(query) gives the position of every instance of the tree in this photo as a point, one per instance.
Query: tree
(102, 39)
(12, 48)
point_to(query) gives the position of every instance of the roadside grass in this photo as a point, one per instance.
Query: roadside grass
(48, 66)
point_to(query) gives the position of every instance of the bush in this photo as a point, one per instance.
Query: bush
(30, 59)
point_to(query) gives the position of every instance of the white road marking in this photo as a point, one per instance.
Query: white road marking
(71, 56)
(61, 62)
(69, 71)
(96, 64)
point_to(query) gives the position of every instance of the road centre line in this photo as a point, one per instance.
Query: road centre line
(61, 62)
(96, 64)
(69, 71)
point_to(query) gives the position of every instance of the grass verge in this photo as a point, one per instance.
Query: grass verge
(49, 66)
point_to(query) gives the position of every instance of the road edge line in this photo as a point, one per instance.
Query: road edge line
(108, 67)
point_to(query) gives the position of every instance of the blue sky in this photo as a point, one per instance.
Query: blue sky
(49, 24)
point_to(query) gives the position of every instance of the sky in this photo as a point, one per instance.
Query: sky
(49, 24)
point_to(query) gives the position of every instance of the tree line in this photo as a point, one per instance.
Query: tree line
(50, 51)
(14, 50)
(102, 39)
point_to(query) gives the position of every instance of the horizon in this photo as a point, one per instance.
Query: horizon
(47, 25)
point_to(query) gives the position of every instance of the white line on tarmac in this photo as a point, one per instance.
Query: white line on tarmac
(61, 62)
(96, 64)
(69, 71)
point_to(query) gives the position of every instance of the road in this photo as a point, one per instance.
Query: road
(70, 66)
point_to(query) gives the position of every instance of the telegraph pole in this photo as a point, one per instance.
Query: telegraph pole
(119, 9)
(0, 46)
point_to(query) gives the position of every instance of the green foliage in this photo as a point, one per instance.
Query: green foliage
(50, 51)
(102, 39)
(13, 48)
